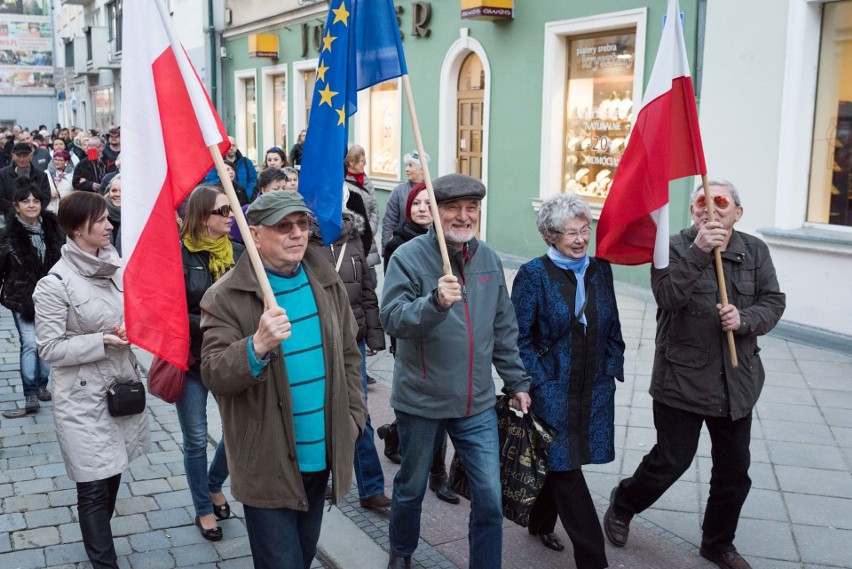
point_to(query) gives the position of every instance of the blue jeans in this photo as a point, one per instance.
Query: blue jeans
(368, 468)
(192, 414)
(476, 442)
(34, 370)
(287, 539)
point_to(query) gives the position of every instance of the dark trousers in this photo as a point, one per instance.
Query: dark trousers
(677, 441)
(287, 539)
(566, 494)
(95, 506)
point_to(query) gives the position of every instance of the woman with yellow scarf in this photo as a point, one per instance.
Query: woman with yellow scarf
(207, 254)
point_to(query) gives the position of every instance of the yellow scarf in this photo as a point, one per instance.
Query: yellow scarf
(221, 253)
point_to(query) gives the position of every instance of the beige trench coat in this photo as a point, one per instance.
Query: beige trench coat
(94, 444)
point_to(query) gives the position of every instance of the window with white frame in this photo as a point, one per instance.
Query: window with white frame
(830, 191)
(302, 92)
(245, 95)
(594, 71)
(385, 124)
(276, 108)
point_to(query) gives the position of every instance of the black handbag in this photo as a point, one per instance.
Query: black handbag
(125, 399)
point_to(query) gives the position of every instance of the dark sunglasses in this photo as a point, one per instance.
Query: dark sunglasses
(285, 227)
(224, 211)
(720, 201)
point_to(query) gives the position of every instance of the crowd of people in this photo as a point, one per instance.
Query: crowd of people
(291, 380)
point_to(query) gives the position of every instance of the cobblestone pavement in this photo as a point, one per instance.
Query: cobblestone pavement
(153, 526)
(798, 514)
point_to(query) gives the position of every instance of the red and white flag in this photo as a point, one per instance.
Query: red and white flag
(665, 144)
(167, 123)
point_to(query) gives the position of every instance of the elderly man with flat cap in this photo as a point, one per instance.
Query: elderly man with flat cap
(450, 329)
(21, 167)
(288, 383)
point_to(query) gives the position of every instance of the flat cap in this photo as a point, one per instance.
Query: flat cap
(22, 148)
(457, 186)
(272, 207)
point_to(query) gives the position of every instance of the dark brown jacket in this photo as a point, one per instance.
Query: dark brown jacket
(692, 365)
(257, 418)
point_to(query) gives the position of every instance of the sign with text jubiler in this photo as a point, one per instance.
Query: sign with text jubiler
(486, 9)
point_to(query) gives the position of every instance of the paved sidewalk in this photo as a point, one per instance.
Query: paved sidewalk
(798, 514)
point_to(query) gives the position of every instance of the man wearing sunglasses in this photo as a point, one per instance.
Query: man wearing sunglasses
(288, 383)
(693, 382)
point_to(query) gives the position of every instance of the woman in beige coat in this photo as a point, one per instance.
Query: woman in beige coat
(79, 320)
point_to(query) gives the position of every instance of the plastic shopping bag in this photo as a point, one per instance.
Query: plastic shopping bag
(524, 442)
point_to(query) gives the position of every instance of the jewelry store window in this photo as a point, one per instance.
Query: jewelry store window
(830, 191)
(598, 110)
(385, 126)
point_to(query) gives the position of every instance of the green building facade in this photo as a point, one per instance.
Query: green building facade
(533, 105)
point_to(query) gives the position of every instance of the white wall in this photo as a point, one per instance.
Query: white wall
(740, 105)
(756, 114)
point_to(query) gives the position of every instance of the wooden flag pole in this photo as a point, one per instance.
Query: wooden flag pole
(720, 273)
(427, 178)
(242, 224)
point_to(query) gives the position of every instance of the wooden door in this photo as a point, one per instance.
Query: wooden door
(471, 95)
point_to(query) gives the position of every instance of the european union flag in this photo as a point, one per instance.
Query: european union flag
(360, 47)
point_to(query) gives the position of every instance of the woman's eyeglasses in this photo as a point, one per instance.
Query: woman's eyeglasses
(224, 211)
(285, 227)
(584, 233)
(720, 201)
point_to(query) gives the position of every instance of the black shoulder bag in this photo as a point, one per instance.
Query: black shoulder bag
(123, 398)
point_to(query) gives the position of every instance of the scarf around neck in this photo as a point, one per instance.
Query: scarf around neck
(221, 253)
(578, 267)
(36, 233)
(357, 177)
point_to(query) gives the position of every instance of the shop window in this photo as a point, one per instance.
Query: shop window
(385, 125)
(830, 192)
(104, 108)
(279, 109)
(250, 118)
(310, 78)
(598, 109)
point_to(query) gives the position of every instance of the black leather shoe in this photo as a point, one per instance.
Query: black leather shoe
(616, 526)
(222, 512)
(399, 561)
(727, 560)
(214, 534)
(551, 541)
(43, 394)
(438, 485)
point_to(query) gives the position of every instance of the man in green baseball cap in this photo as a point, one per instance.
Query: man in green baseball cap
(288, 382)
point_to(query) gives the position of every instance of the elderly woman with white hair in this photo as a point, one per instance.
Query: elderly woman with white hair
(395, 208)
(570, 342)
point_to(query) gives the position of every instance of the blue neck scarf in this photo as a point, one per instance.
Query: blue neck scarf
(578, 267)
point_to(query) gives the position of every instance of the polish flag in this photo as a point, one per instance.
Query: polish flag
(167, 124)
(665, 144)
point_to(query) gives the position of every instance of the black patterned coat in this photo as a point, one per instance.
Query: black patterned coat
(20, 265)
(573, 371)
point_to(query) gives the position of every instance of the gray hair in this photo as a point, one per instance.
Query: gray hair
(718, 182)
(555, 212)
(116, 178)
(414, 158)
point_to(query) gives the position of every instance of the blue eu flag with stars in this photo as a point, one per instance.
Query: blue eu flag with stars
(360, 47)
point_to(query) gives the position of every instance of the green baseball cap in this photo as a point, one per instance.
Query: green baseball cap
(271, 207)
